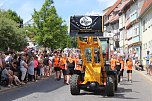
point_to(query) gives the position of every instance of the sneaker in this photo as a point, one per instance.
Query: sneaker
(58, 79)
(36, 80)
(67, 83)
(121, 79)
(9, 86)
(12, 85)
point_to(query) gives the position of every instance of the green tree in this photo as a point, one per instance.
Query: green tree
(13, 16)
(10, 35)
(49, 28)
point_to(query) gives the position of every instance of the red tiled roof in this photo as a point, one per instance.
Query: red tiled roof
(112, 19)
(146, 5)
(125, 3)
(113, 7)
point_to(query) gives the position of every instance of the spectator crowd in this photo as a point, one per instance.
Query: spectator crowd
(18, 68)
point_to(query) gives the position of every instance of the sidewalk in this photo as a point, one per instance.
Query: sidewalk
(3, 89)
(144, 73)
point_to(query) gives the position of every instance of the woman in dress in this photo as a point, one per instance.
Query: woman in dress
(23, 68)
(70, 65)
(31, 69)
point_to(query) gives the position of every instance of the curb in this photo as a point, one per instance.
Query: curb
(5, 89)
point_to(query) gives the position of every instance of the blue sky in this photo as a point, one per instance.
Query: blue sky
(65, 8)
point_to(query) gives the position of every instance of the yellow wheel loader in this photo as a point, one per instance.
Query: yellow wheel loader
(95, 74)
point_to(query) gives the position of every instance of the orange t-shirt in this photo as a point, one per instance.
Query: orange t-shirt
(113, 64)
(129, 65)
(62, 63)
(56, 62)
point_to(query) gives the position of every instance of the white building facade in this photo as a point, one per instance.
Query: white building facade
(146, 28)
(133, 29)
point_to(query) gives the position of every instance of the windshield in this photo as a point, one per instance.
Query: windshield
(88, 55)
(96, 55)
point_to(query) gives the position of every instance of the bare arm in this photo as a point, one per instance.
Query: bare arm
(25, 65)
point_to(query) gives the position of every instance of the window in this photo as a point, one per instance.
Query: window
(145, 45)
(88, 55)
(143, 25)
(149, 44)
(146, 23)
(96, 55)
(150, 19)
(135, 31)
(125, 35)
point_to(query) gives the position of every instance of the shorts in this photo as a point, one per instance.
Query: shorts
(35, 69)
(129, 71)
(69, 71)
(57, 68)
(64, 71)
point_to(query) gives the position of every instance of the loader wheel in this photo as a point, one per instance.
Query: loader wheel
(116, 83)
(110, 86)
(74, 84)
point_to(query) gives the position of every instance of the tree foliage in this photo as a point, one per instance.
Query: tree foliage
(49, 28)
(11, 35)
(13, 15)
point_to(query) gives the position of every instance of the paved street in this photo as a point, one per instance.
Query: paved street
(51, 90)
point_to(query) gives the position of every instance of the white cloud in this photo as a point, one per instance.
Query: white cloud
(2, 2)
(94, 13)
(26, 11)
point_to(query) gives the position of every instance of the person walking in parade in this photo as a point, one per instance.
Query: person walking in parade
(129, 65)
(70, 67)
(122, 68)
(46, 66)
(113, 62)
(62, 66)
(118, 68)
(57, 68)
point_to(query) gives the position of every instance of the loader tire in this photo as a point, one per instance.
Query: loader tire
(116, 83)
(74, 84)
(110, 87)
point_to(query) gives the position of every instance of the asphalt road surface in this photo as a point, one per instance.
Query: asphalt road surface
(51, 90)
